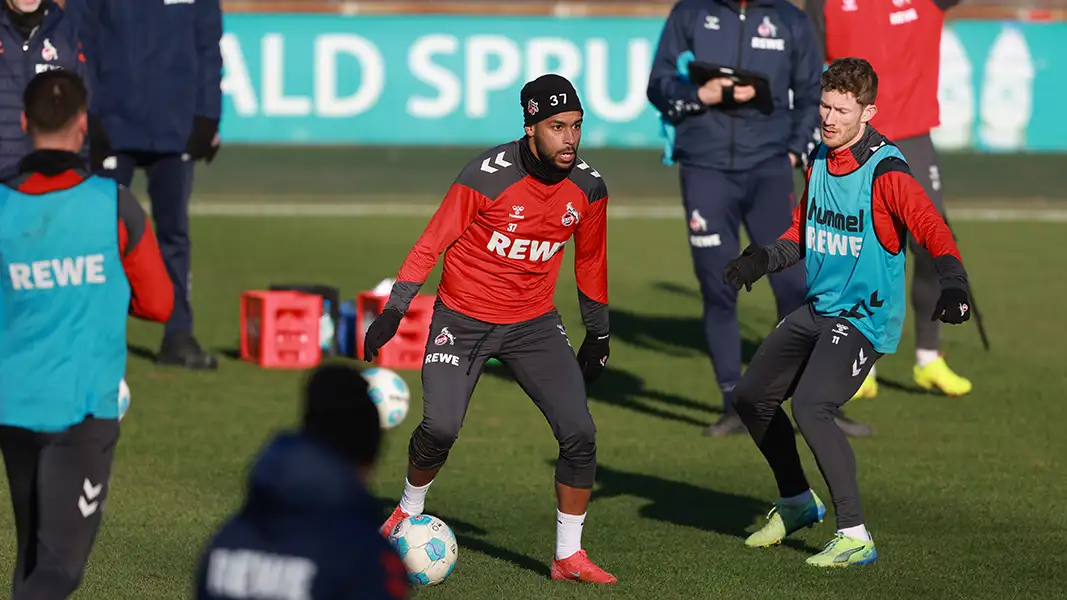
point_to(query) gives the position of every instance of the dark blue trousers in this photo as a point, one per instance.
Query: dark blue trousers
(716, 205)
(170, 184)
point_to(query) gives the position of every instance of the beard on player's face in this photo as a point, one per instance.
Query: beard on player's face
(842, 118)
(557, 138)
(840, 133)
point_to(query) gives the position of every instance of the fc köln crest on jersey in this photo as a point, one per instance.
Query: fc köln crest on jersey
(445, 337)
(570, 216)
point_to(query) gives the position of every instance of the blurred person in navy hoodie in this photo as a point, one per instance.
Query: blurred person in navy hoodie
(308, 529)
(156, 73)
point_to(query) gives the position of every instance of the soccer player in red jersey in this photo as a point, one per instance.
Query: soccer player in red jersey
(502, 227)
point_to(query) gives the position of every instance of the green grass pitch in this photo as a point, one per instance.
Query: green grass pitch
(964, 497)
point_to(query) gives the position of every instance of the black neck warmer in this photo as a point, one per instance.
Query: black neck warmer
(545, 173)
(25, 23)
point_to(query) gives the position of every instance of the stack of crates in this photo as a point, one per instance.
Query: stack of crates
(408, 346)
(280, 329)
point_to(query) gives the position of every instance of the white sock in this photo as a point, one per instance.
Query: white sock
(872, 373)
(568, 534)
(798, 500)
(859, 532)
(414, 500)
(924, 357)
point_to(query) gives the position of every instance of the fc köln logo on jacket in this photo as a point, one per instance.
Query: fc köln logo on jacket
(49, 51)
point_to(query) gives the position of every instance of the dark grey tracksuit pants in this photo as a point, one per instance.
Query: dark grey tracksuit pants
(717, 203)
(821, 362)
(58, 483)
(925, 290)
(539, 355)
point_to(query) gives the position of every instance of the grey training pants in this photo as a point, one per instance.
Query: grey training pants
(821, 362)
(539, 355)
(59, 484)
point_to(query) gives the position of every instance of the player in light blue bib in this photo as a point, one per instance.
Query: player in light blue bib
(77, 257)
(850, 230)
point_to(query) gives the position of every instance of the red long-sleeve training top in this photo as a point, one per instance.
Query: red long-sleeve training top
(502, 232)
(902, 41)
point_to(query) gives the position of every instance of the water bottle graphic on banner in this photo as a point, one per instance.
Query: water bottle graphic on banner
(955, 96)
(1007, 92)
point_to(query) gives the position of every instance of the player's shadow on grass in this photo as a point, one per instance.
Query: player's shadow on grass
(141, 352)
(470, 537)
(673, 335)
(625, 390)
(146, 354)
(677, 289)
(688, 505)
(903, 387)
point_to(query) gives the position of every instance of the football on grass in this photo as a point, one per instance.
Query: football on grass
(428, 548)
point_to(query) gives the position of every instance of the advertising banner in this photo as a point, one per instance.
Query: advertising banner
(455, 80)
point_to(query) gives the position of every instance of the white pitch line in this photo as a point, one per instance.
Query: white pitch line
(355, 210)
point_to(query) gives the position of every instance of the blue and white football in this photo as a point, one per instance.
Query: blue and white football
(428, 548)
(390, 394)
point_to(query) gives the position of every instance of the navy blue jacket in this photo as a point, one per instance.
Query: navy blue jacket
(53, 45)
(155, 65)
(307, 524)
(774, 38)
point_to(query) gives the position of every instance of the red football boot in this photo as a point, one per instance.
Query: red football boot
(394, 519)
(578, 567)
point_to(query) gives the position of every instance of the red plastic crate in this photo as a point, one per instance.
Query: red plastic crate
(408, 347)
(280, 329)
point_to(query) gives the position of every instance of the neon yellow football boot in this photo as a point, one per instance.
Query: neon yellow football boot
(785, 519)
(869, 389)
(938, 375)
(843, 551)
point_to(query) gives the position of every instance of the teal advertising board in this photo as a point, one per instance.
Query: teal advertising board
(455, 80)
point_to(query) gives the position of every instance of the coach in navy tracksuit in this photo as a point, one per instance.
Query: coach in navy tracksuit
(736, 162)
(35, 36)
(157, 71)
(309, 528)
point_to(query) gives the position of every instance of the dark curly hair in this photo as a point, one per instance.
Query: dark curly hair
(852, 76)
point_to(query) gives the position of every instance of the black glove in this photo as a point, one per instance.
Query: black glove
(952, 307)
(681, 109)
(204, 140)
(380, 332)
(747, 268)
(99, 144)
(593, 356)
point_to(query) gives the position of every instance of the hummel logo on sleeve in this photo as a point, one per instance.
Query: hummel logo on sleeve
(498, 161)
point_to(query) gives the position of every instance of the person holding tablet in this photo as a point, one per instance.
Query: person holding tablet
(737, 85)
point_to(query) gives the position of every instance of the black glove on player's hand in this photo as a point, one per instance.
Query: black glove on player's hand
(380, 332)
(952, 307)
(203, 142)
(593, 356)
(747, 268)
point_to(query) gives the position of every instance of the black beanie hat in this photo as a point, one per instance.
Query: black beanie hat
(548, 95)
(339, 413)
